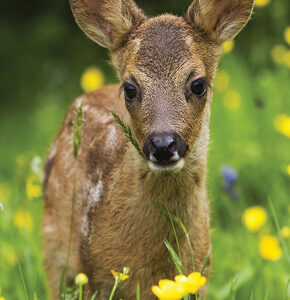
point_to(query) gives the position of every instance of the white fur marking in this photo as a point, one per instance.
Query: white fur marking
(178, 165)
(95, 193)
(94, 196)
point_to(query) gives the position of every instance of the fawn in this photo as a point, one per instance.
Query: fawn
(166, 65)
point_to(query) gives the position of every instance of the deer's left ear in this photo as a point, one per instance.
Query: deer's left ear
(222, 20)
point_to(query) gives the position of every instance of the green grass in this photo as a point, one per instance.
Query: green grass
(244, 139)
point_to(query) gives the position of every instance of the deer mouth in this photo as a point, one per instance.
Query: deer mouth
(166, 165)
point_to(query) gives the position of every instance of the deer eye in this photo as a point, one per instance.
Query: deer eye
(130, 91)
(198, 87)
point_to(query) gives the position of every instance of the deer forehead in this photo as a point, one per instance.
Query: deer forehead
(166, 47)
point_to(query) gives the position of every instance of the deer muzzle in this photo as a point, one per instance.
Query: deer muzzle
(165, 151)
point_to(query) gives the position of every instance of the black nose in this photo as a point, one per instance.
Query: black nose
(164, 147)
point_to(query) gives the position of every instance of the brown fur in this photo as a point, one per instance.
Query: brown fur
(116, 223)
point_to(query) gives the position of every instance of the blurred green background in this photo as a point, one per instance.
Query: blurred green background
(43, 55)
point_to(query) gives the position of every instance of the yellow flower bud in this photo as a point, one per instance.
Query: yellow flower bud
(81, 279)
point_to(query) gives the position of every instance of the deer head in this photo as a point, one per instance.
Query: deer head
(167, 65)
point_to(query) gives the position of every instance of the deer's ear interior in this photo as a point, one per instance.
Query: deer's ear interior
(222, 20)
(106, 22)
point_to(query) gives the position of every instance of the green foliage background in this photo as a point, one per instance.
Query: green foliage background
(42, 56)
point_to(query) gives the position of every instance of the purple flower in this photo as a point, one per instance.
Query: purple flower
(230, 177)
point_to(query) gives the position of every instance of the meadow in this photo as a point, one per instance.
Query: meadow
(248, 164)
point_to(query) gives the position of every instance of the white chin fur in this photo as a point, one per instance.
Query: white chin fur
(155, 167)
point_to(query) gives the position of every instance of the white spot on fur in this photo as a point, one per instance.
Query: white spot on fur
(95, 193)
(94, 196)
(111, 137)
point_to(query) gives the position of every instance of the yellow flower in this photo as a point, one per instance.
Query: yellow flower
(232, 100)
(5, 192)
(262, 2)
(278, 53)
(2, 298)
(169, 290)
(92, 79)
(192, 283)
(22, 220)
(287, 35)
(222, 80)
(288, 169)
(269, 248)
(254, 218)
(285, 231)
(33, 187)
(81, 279)
(9, 255)
(282, 124)
(228, 46)
(122, 276)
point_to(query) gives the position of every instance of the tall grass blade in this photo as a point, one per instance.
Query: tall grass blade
(78, 124)
(175, 234)
(233, 288)
(128, 132)
(171, 218)
(174, 257)
(62, 286)
(283, 243)
(23, 281)
(95, 295)
(138, 291)
(35, 296)
(35, 285)
(287, 291)
(183, 228)
(205, 261)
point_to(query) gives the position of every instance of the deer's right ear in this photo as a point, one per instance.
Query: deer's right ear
(222, 20)
(107, 22)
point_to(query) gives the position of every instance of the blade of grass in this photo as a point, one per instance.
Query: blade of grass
(171, 217)
(205, 261)
(176, 238)
(95, 295)
(283, 243)
(34, 286)
(77, 138)
(286, 294)
(183, 228)
(62, 286)
(233, 288)
(11, 237)
(174, 257)
(77, 135)
(138, 291)
(22, 279)
(128, 132)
